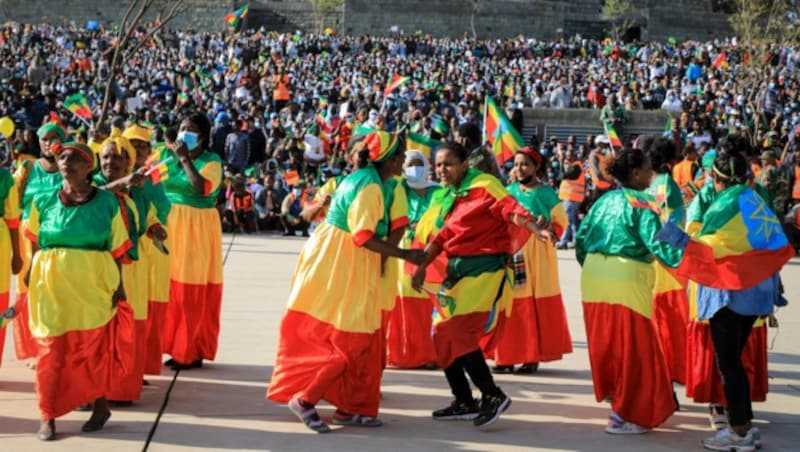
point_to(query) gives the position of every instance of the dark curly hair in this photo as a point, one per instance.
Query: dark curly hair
(622, 165)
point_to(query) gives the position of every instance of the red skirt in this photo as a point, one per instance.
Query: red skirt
(76, 367)
(25, 344)
(409, 337)
(627, 364)
(670, 317)
(703, 380)
(191, 329)
(128, 386)
(318, 362)
(535, 332)
(156, 314)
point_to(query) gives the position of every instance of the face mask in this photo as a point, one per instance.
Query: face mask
(277, 186)
(257, 125)
(415, 173)
(297, 191)
(190, 139)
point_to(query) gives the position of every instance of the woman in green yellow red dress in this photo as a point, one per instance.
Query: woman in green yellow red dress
(537, 330)
(480, 227)
(616, 246)
(670, 302)
(79, 240)
(10, 258)
(191, 329)
(33, 177)
(409, 340)
(329, 346)
(154, 206)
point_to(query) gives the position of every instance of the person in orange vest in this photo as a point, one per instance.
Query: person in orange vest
(683, 173)
(796, 187)
(242, 212)
(281, 89)
(572, 192)
(293, 204)
(596, 157)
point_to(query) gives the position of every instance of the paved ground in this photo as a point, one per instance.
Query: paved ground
(222, 406)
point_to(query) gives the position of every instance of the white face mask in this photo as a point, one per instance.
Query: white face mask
(297, 191)
(415, 174)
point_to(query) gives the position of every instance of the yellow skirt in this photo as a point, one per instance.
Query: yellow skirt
(135, 277)
(159, 266)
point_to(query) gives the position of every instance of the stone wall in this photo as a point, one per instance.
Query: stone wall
(498, 18)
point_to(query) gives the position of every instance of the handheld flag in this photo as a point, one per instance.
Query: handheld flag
(397, 82)
(497, 129)
(613, 138)
(78, 106)
(233, 19)
(158, 171)
(422, 143)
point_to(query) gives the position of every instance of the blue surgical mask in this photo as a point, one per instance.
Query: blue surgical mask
(191, 139)
(415, 173)
(297, 191)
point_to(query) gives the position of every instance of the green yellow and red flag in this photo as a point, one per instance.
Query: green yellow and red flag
(396, 82)
(739, 229)
(613, 138)
(158, 171)
(233, 19)
(421, 143)
(497, 129)
(78, 106)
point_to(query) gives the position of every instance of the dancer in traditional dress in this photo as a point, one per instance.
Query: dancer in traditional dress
(191, 329)
(329, 346)
(33, 177)
(537, 329)
(10, 257)
(79, 240)
(409, 341)
(670, 302)
(616, 246)
(481, 226)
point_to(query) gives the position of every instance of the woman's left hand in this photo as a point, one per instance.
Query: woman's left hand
(119, 295)
(157, 232)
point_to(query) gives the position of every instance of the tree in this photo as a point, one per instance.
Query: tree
(617, 12)
(474, 11)
(133, 33)
(321, 9)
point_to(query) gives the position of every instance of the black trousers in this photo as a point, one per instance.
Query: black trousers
(730, 332)
(475, 365)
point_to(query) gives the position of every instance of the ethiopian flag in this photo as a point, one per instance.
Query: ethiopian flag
(422, 143)
(397, 82)
(740, 244)
(504, 138)
(613, 138)
(78, 105)
(233, 19)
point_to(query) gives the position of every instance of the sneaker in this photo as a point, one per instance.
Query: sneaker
(618, 426)
(491, 408)
(717, 417)
(756, 434)
(725, 440)
(458, 411)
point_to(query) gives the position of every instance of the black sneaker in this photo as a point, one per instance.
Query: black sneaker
(491, 408)
(458, 411)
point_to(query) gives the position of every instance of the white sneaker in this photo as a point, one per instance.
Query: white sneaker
(756, 434)
(727, 441)
(618, 426)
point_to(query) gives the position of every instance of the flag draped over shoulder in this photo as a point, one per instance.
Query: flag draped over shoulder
(741, 243)
(233, 19)
(422, 143)
(503, 137)
(78, 105)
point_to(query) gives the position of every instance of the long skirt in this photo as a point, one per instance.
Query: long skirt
(25, 344)
(158, 296)
(537, 329)
(671, 317)
(628, 365)
(330, 337)
(191, 329)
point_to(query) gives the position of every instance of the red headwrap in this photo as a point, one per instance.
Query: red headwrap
(533, 154)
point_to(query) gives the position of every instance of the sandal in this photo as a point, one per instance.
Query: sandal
(342, 418)
(308, 416)
(528, 368)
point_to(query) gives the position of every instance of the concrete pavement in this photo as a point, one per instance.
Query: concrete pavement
(222, 406)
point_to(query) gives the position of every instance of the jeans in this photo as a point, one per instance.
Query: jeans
(730, 332)
(475, 365)
(573, 209)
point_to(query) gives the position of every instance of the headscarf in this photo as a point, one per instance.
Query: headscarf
(82, 149)
(52, 127)
(381, 145)
(411, 155)
(123, 145)
(137, 132)
(708, 159)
